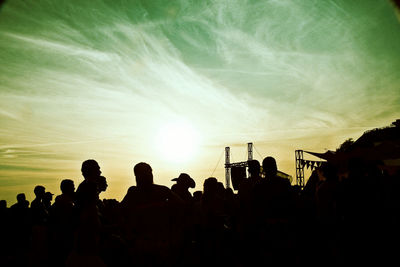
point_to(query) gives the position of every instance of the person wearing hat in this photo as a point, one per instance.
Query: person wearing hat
(181, 188)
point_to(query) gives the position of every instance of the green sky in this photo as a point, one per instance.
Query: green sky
(100, 79)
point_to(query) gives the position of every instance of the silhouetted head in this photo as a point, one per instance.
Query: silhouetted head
(102, 184)
(3, 204)
(39, 191)
(185, 180)
(210, 186)
(21, 198)
(197, 195)
(143, 174)
(229, 193)
(48, 197)
(90, 169)
(220, 189)
(67, 186)
(254, 168)
(269, 167)
(312, 182)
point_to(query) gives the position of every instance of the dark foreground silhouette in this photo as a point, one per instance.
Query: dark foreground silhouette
(348, 214)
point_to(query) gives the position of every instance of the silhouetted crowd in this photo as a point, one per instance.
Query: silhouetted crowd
(346, 214)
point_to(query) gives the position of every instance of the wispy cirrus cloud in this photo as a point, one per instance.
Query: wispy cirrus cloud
(98, 79)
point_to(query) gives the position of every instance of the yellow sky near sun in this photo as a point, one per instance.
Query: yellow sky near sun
(84, 79)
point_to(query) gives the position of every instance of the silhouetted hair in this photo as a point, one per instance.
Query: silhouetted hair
(254, 167)
(21, 197)
(3, 204)
(143, 173)
(220, 189)
(102, 184)
(269, 166)
(39, 191)
(67, 186)
(210, 185)
(48, 196)
(229, 192)
(89, 167)
(197, 195)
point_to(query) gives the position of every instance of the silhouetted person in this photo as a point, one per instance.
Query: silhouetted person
(197, 196)
(246, 197)
(88, 192)
(20, 230)
(273, 193)
(101, 187)
(210, 220)
(112, 249)
(326, 213)
(254, 170)
(150, 215)
(40, 216)
(360, 213)
(87, 235)
(270, 168)
(273, 209)
(181, 188)
(102, 184)
(64, 223)
(3, 205)
(4, 231)
(231, 209)
(48, 197)
(4, 216)
(22, 203)
(38, 208)
(263, 191)
(326, 193)
(67, 198)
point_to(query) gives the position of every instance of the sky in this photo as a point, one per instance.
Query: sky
(172, 83)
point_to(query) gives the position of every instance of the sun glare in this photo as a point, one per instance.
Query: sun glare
(177, 142)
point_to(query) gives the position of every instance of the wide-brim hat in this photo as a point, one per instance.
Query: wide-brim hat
(186, 179)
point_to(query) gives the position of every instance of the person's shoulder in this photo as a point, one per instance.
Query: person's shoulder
(161, 188)
(59, 198)
(131, 190)
(81, 185)
(34, 203)
(86, 186)
(162, 191)
(174, 187)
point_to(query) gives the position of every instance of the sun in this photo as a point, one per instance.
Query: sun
(177, 142)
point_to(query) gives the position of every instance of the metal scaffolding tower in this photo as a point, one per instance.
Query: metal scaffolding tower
(229, 165)
(299, 168)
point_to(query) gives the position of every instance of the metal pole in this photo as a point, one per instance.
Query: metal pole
(299, 168)
(249, 151)
(227, 167)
